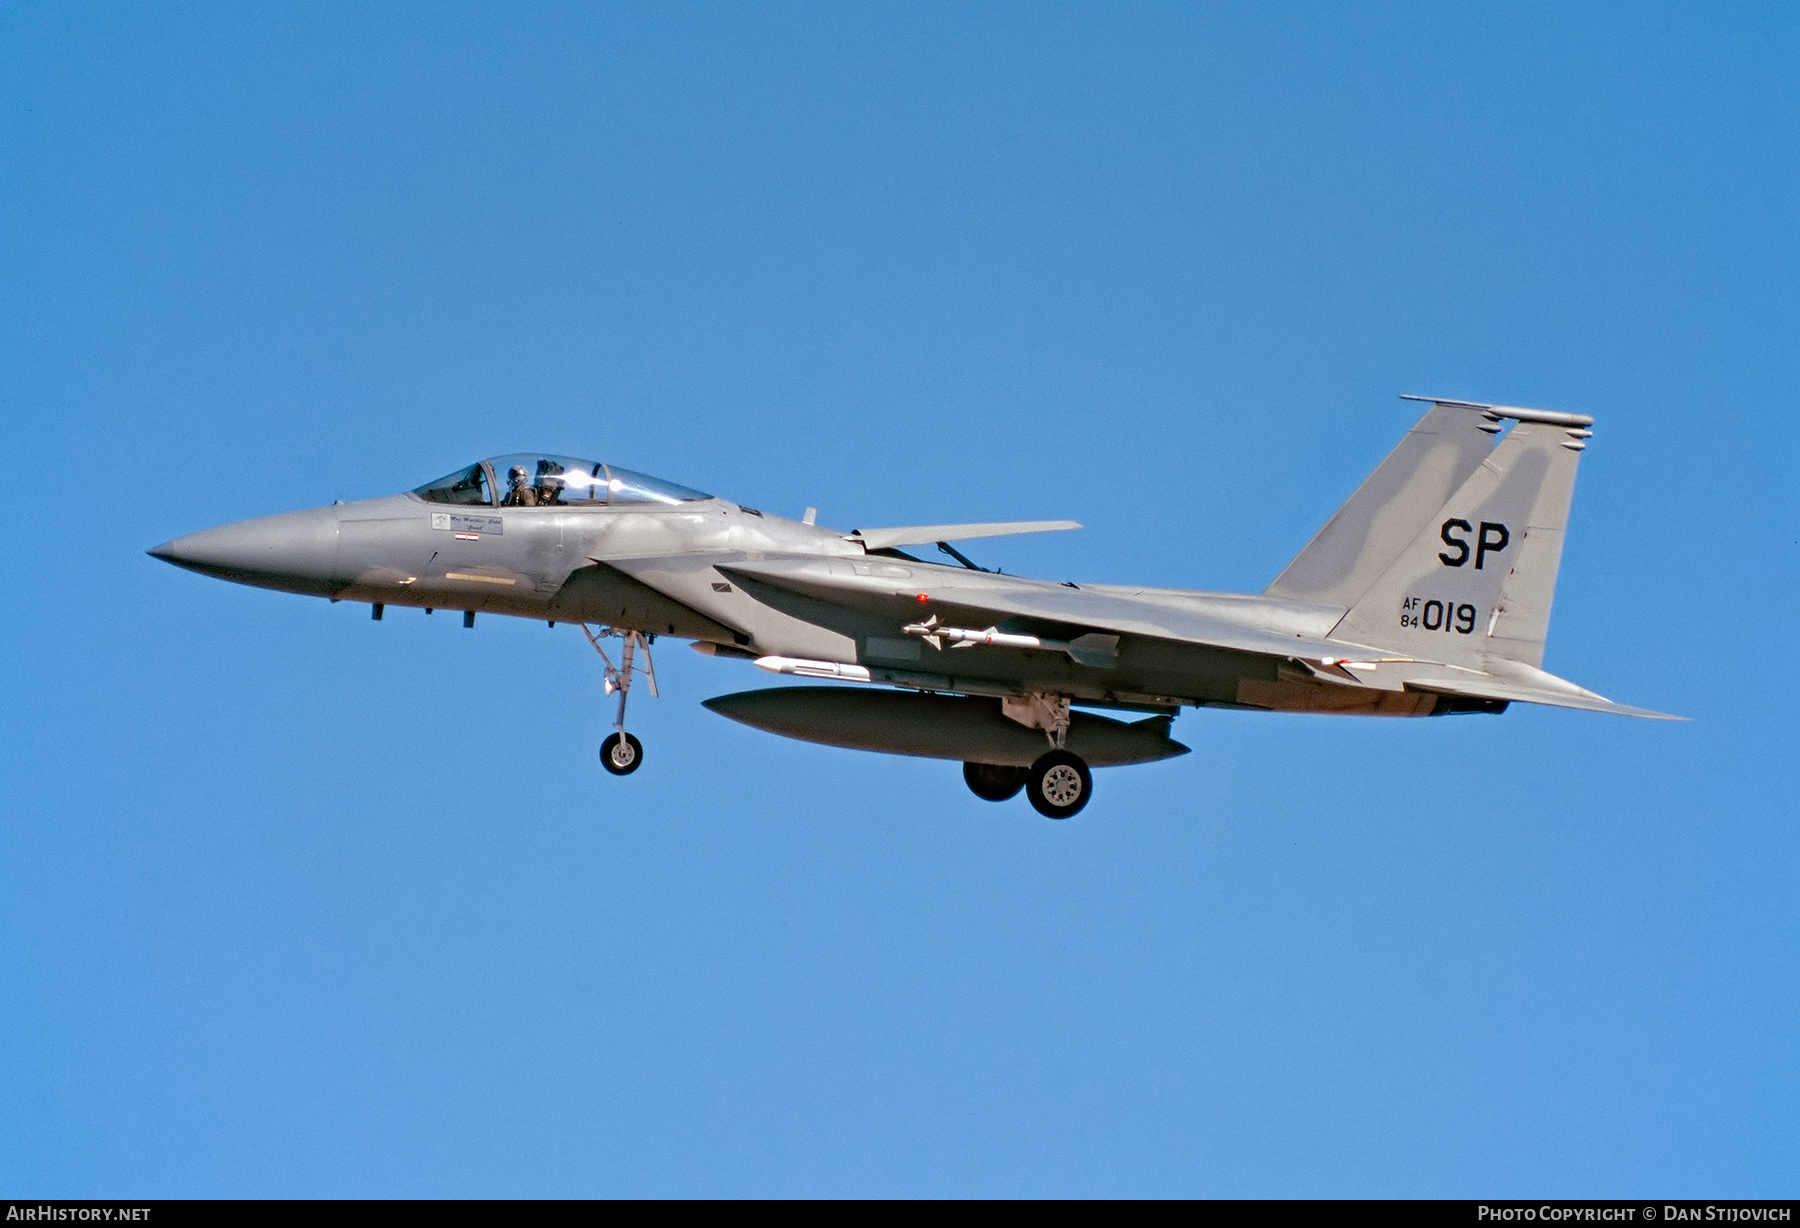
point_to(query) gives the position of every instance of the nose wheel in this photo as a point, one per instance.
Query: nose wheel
(620, 753)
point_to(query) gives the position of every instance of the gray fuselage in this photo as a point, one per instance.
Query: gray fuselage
(666, 570)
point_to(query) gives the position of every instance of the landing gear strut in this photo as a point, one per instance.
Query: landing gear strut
(1058, 784)
(621, 753)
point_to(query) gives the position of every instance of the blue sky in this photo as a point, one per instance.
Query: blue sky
(294, 903)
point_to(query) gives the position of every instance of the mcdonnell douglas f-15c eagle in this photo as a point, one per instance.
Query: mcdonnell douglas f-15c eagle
(1427, 593)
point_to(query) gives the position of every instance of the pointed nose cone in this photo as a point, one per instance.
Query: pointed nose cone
(295, 552)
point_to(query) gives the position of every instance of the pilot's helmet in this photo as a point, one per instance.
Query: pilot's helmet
(517, 474)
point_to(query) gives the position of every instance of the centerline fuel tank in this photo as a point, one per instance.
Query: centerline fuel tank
(971, 729)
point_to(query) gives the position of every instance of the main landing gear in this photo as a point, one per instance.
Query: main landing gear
(994, 782)
(1058, 784)
(620, 753)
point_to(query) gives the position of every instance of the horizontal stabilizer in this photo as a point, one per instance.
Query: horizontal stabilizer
(925, 534)
(1555, 699)
(1526, 685)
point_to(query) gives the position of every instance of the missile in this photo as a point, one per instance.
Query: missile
(969, 728)
(1094, 649)
(813, 669)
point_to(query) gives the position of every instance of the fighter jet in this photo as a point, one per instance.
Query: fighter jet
(1427, 594)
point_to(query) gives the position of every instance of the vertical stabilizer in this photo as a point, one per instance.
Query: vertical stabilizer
(1475, 582)
(1389, 508)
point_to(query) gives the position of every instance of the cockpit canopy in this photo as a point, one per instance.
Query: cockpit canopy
(530, 479)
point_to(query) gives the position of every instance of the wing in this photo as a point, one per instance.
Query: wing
(954, 593)
(978, 599)
(925, 534)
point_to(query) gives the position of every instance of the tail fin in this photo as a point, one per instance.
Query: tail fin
(1368, 533)
(1475, 581)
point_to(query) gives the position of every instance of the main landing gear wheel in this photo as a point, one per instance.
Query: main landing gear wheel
(993, 782)
(1059, 785)
(621, 754)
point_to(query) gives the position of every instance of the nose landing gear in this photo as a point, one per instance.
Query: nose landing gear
(621, 754)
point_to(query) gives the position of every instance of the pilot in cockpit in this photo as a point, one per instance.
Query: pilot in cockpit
(521, 494)
(548, 485)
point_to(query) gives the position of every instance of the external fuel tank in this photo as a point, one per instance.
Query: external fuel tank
(968, 728)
